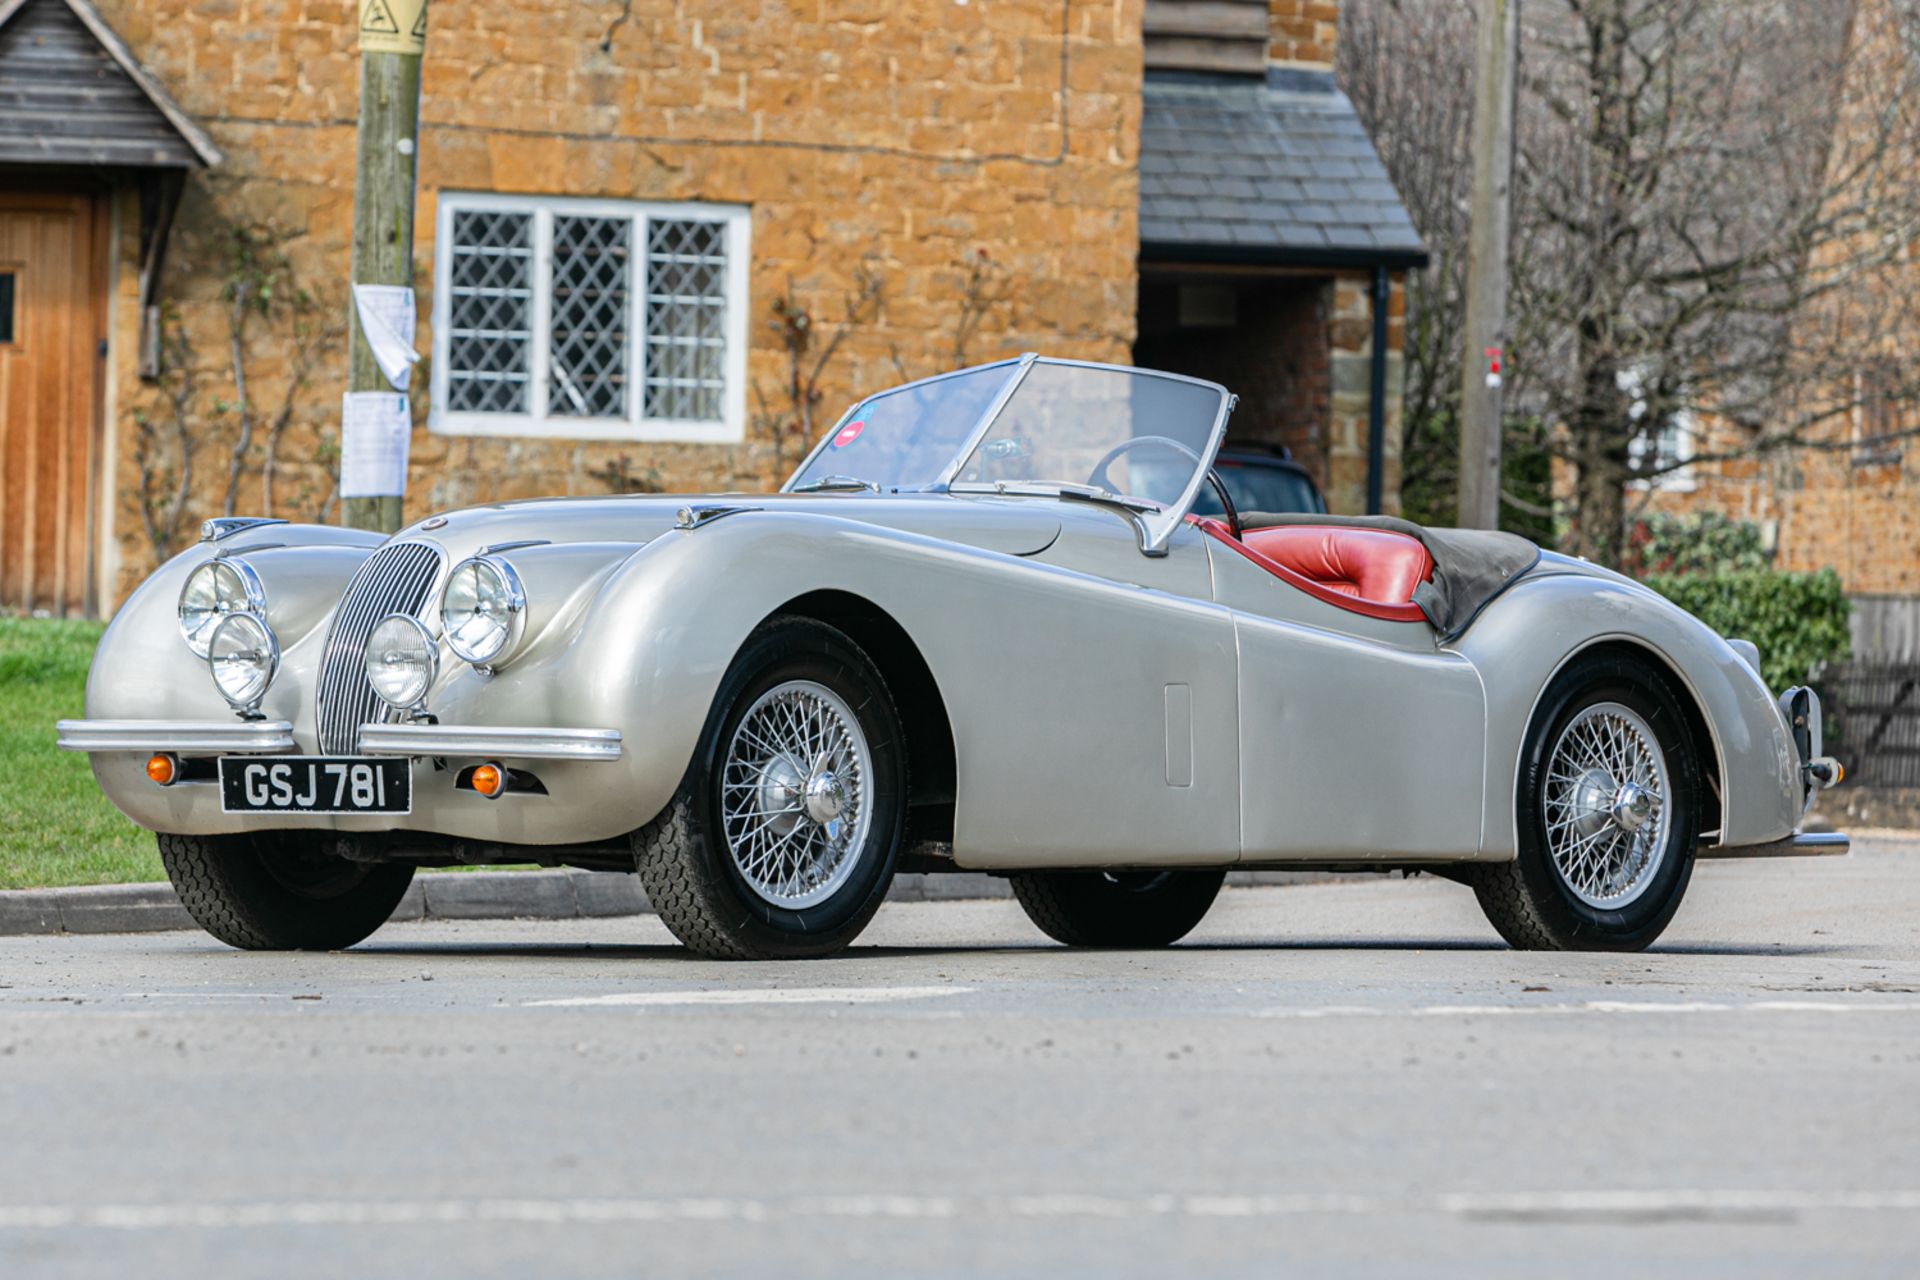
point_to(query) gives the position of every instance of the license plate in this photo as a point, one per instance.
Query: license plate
(315, 784)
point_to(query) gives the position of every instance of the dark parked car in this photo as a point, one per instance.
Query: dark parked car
(1262, 482)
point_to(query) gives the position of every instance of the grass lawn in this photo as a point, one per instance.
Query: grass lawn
(55, 826)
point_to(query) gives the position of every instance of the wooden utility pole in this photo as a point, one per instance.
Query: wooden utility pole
(392, 39)
(1483, 366)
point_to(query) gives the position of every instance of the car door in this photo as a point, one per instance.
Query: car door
(1097, 726)
(1361, 739)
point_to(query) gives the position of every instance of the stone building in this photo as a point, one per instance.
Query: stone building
(659, 246)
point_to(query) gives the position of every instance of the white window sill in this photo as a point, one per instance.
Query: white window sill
(661, 431)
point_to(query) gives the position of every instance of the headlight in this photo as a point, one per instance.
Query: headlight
(244, 657)
(483, 609)
(402, 657)
(213, 591)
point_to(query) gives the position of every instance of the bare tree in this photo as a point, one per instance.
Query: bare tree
(1408, 67)
(1712, 197)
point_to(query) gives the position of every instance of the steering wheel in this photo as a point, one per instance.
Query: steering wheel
(1100, 478)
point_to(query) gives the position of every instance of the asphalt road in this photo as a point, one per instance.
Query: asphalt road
(1350, 1078)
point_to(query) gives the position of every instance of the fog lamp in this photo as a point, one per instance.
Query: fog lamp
(244, 657)
(402, 658)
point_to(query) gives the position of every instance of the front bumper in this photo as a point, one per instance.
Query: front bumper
(489, 741)
(275, 737)
(202, 737)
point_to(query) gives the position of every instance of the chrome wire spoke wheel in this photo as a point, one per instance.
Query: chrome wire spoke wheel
(1605, 801)
(797, 794)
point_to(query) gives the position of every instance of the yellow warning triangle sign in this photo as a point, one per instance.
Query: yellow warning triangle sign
(376, 17)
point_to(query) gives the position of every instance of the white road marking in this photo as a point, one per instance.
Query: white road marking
(757, 995)
(1678, 1202)
(1586, 1006)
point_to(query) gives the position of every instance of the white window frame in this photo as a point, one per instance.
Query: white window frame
(1679, 429)
(730, 428)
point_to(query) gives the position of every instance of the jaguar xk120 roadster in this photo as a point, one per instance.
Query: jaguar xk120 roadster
(977, 629)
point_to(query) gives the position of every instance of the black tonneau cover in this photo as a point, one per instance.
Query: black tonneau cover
(1470, 566)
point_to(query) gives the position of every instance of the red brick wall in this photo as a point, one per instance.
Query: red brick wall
(1275, 358)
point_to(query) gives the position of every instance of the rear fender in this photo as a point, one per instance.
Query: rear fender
(1533, 630)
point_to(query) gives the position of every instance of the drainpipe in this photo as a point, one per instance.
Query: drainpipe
(1377, 395)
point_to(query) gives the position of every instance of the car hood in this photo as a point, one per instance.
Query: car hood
(1012, 526)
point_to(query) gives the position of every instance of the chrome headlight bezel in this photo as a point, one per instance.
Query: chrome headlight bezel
(511, 595)
(412, 696)
(263, 645)
(252, 598)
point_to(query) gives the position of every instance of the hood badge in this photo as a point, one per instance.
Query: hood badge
(434, 522)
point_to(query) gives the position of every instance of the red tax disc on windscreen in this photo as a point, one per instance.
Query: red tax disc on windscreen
(849, 433)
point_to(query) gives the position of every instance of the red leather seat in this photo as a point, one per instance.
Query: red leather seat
(1367, 564)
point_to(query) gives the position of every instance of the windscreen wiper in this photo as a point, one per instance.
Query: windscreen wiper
(1052, 489)
(835, 484)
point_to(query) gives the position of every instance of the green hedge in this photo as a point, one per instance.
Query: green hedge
(1799, 620)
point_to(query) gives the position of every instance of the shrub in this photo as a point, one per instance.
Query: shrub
(1704, 543)
(1798, 620)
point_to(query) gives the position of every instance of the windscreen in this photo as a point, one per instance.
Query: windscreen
(1138, 434)
(907, 437)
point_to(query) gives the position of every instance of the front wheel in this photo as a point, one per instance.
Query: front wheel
(281, 890)
(1116, 908)
(1607, 813)
(783, 838)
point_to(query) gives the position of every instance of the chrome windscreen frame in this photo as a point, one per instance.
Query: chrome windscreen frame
(1156, 527)
(1017, 363)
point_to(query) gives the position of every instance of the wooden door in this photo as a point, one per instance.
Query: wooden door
(51, 340)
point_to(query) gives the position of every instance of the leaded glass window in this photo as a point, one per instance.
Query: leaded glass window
(587, 353)
(686, 319)
(590, 318)
(491, 313)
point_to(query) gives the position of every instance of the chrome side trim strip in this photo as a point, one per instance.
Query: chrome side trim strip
(523, 742)
(227, 737)
(1806, 844)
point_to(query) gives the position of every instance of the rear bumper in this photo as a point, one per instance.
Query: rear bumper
(1818, 844)
(212, 737)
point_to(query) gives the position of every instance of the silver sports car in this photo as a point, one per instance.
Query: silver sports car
(977, 629)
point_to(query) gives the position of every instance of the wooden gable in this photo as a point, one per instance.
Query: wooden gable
(72, 94)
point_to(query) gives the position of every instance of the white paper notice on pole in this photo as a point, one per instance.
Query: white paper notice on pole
(374, 427)
(387, 320)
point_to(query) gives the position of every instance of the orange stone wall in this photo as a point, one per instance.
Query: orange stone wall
(896, 138)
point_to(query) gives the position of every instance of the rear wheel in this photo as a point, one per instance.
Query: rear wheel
(1607, 813)
(281, 890)
(1117, 908)
(784, 836)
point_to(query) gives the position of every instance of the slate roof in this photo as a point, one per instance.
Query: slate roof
(72, 93)
(1279, 171)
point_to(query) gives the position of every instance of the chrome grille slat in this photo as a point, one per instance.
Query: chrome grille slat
(398, 578)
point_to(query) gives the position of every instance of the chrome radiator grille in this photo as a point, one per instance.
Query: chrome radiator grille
(395, 579)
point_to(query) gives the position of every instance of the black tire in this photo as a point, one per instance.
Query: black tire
(279, 891)
(1117, 908)
(685, 861)
(1529, 901)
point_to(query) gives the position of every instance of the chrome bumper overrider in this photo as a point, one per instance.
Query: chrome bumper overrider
(489, 740)
(1818, 844)
(222, 737)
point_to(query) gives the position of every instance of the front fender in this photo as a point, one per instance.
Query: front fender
(1533, 630)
